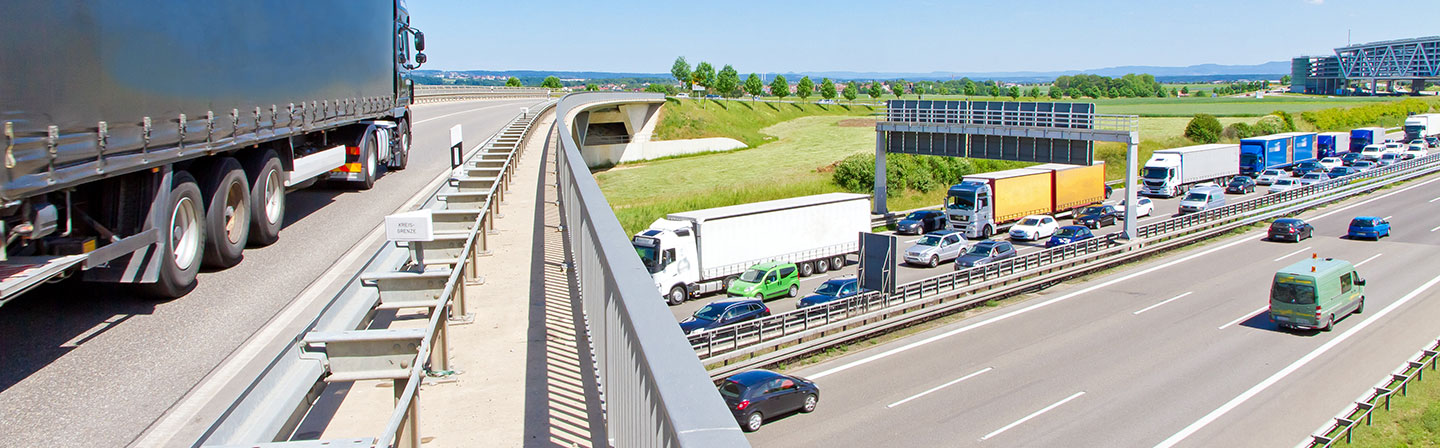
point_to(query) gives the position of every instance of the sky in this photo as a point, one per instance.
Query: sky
(918, 36)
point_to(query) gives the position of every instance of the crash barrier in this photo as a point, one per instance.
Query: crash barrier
(438, 94)
(1342, 427)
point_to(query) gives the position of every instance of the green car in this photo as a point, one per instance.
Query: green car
(767, 281)
(1314, 293)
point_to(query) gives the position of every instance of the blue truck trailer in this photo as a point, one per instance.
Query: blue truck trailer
(1331, 144)
(1361, 137)
(1273, 151)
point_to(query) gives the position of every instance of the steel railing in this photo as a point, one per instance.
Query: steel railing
(961, 113)
(733, 341)
(435, 94)
(654, 391)
(1342, 427)
(338, 346)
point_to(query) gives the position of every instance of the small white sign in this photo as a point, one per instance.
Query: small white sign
(697, 88)
(418, 225)
(455, 135)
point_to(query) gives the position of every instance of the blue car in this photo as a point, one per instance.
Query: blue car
(1371, 227)
(1069, 234)
(831, 290)
(724, 312)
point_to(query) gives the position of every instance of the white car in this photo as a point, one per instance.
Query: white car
(1285, 184)
(1394, 148)
(1331, 163)
(1146, 207)
(1034, 227)
(1416, 151)
(1372, 152)
(1313, 178)
(1268, 177)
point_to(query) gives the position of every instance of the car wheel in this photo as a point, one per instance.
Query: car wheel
(810, 402)
(676, 296)
(806, 268)
(1361, 307)
(794, 290)
(760, 296)
(753, 422)
(934, 261)
(1329, 324)
(822, 266)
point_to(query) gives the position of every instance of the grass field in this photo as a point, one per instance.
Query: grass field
(1413, 419)
(740, 120)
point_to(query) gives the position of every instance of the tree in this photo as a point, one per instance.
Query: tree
(704, 75)
(897, 88)
(1199, 94)
(513, 82)
(592, 87)
(779, 87)
(660, 88)
(1285, 80)
(1185, 90)
(827, 89)
(969, 88)
(851, 91)
(681, 71)
(875, 90)
(727, 80)
(804, 88)
(1203, 129)
(753, 86)
(1034, 92)
(551, 82)
(1014, 92)
(943, 90)
(997, 91)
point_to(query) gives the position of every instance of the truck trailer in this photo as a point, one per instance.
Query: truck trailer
(690, 254)
(1172, 172)
(987, 203)
(145, 139)
(1331, 144)
(1421, 126)
(1362, 137)
(1275, 151)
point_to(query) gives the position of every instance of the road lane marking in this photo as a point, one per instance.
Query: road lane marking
(1367, 201)
(1247, 316)
(1434, 229)
(1253, 391)
(1036, 414)
(1436, 199)
(1367, 260)
(906, 347)
(911, 241)
(1387, 218)
(1172, 299)
(1282, 257)
(814, 277)
(942, 386)
(507, 104)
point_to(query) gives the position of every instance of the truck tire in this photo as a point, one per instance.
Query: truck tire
(181, 253)
(1360, 309)
(400, 147)
(725, 284)
(837, 262)
(822, 266)
(227, 213)
(985, 232)
(369, 161)
(267, 198)
(806, 268)
(676, 296)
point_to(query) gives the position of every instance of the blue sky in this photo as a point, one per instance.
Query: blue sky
(898, 36)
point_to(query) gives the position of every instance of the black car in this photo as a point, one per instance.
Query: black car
(985, 252)
(1351, 157)
(1341, 171)
(1241, 185)
(922, 222)
(1291, 229)
(1303, 168)
(1096, 216)
(724, 312)
(755, 395)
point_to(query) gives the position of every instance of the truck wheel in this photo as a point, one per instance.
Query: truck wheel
(822, 265)
(794, 291)
(985, 232)
(227, 213)
(369, 161)
(400, 147)
(806, 268)
(181, 253)
(676, 296)
(1329, 324)
(725, 284)
(837, 262)
(267, 198)
(1359, 309)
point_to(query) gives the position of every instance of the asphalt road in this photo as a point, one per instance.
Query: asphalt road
(94, 365)
(1175, 351)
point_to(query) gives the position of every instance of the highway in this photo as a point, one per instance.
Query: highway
(1175, 351)
(94, 366)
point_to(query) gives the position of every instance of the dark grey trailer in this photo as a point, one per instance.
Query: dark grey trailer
(145, 138)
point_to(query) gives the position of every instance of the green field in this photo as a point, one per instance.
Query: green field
(1413, 419)
(740, 120)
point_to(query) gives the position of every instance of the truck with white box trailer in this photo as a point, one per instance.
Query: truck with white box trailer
(1421, 126)
(690, 254)
(1172, 172)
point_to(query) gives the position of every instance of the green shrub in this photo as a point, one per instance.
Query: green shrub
(1347, 118)
(1203, 129)
(911, 172)
(1287, 120)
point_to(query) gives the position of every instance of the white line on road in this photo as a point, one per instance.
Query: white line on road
(1245, 317)
(911, 241)
(1172, 299)
(1253, 391)
(508, 104)
(1367, 260)
(1387, 218)
(1436, 199)
(1282, 257)
(1434, 229)
(893, 351)
(814, 277)
(1036, 414)
(1367, 201)
(942, 386)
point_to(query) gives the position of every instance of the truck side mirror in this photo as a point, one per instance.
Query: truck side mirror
(420, 58)
(419, 42)
(1360, 282)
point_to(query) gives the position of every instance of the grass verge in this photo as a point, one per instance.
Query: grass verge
(740, 120)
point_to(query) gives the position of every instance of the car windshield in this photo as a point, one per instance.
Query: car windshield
(730, 389)
(1068, 232)
(1271, 173)
(1292, 293)
(1312, 176)
(752, 275)
(1239, 181)
(1362, 223)
(829, 289)
(963, 200)
(981, 249)
(929, 240)
(1284, 182)
(1092, 210)
(1197, 197)
(709, 312)
(1030, 222)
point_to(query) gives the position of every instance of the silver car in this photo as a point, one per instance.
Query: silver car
(935, 248)
(1268, 177)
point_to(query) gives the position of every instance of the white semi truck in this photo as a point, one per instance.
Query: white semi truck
(1171, 172)
(693, 253)
(1421, 126)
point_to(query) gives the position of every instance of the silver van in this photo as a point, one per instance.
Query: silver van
(1202, 198)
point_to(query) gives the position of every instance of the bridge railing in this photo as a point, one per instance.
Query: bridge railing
(435, 94)
(959, 112)
(655, 391)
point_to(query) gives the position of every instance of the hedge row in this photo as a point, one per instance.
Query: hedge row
(1339, 119)
(912, 172)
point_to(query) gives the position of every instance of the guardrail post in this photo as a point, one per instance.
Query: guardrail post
(408, 434)
(440, 343)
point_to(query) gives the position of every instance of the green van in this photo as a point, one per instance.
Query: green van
(767, 281)
(1314, 293)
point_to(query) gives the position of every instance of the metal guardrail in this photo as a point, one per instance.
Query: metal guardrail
(655, 393)
(733, 341)
(937, 112)
(337, 346)
(1343, 425)
(435, 94)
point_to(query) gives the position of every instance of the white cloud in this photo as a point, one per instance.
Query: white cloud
(1315, 2)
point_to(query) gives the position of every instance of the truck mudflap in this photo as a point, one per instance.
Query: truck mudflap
(20, 274)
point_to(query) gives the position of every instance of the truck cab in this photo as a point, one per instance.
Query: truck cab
(667, 250)
(1161, 176)
(969, 207)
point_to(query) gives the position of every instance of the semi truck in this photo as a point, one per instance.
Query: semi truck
(987, 203)
(1172, 172)
(1362, 137)
(690, 254)
(1275, 151)
(1421, 126)
(1331, 144)
(145, 139)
